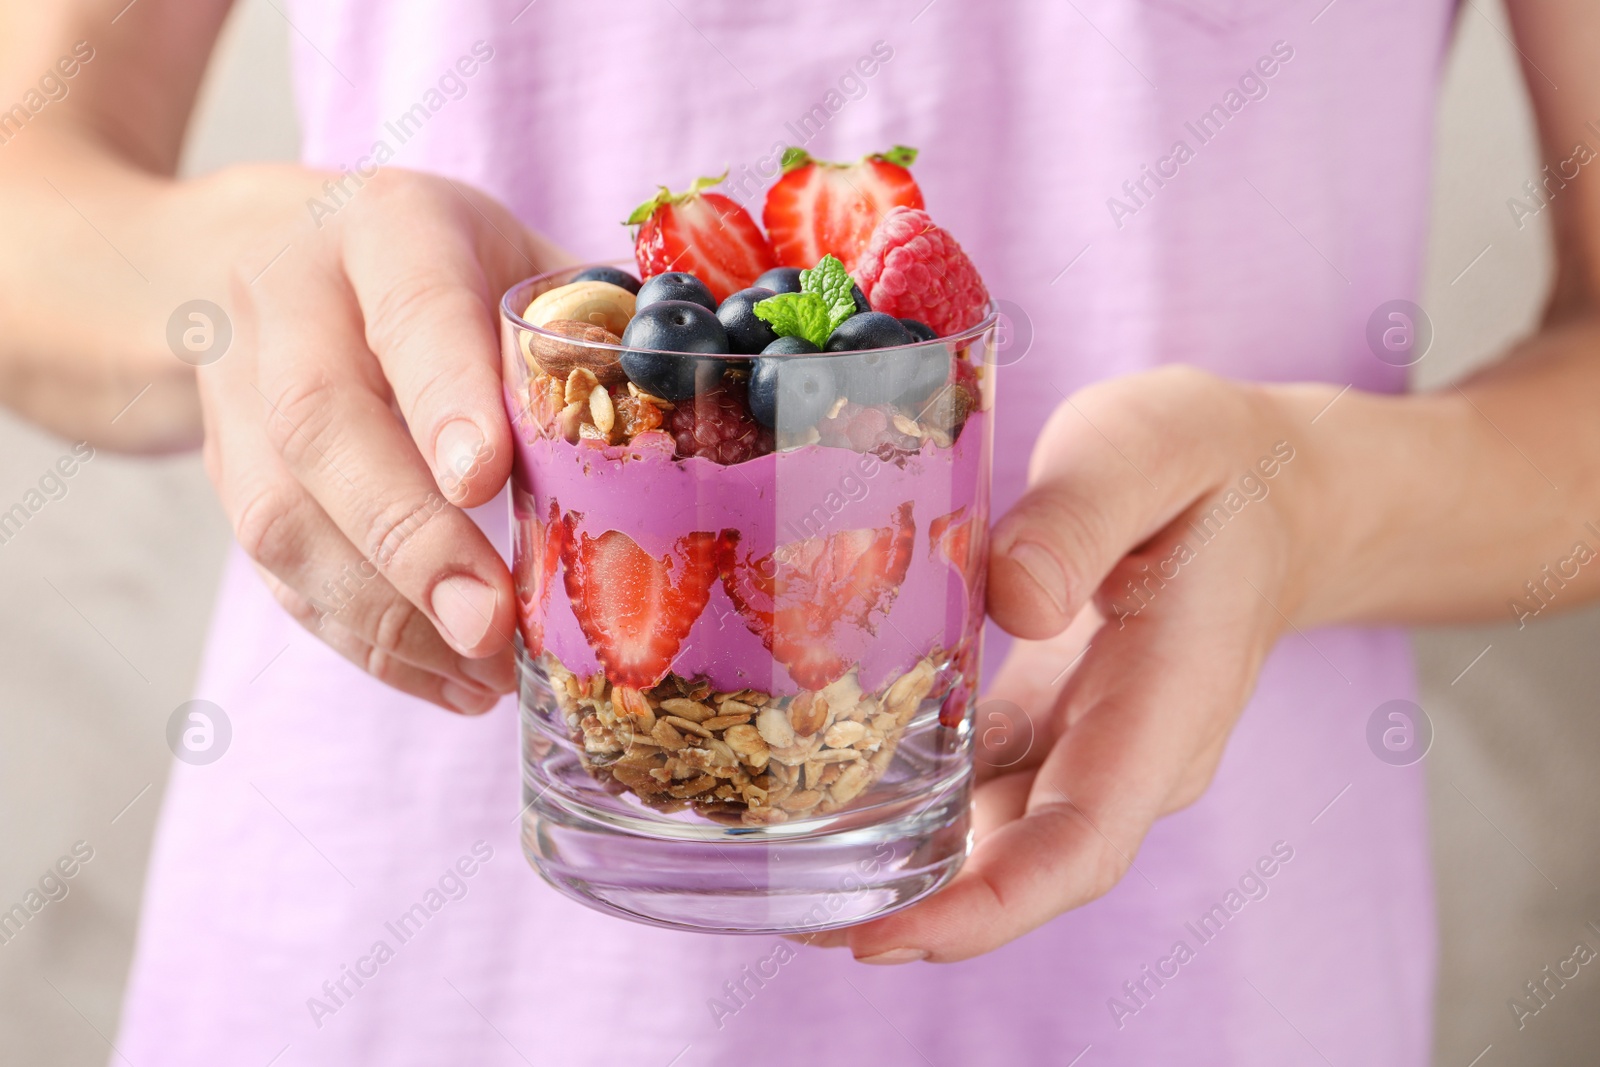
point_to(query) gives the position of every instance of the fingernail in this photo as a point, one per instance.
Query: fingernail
(455, 453)
(895, 955)
(498, 673)
(465, 608)
(1042, 567)
(467, 701)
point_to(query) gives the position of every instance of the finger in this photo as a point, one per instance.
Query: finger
(330, 421)
(285, 531)
(432, 321)
(447, 693)
(1000, 801)
(1114, 465)
(1147, 698)
(1015, 723)
(278, 525)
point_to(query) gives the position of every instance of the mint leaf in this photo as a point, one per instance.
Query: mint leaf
(797, 315)
(830, 281)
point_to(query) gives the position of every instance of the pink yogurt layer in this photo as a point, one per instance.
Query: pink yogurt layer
(774, 499)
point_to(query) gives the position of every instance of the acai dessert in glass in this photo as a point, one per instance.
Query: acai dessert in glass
(751, 494)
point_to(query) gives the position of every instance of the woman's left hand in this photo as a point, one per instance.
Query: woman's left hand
(1166, 526)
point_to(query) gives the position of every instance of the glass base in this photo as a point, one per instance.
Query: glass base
(741, 880)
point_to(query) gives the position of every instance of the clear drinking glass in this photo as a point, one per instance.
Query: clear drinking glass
(747, 687)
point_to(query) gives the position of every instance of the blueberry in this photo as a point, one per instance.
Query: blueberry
(611, 276)
(675, 285)
(874, 377)
(747, 334)
(665, 328)
(930, 369)
(780, 280)
(790, 394)
(869, 329)
(862, 307)
(919, 331)
(790, 346)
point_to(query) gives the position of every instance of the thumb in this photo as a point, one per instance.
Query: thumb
(1115, 464)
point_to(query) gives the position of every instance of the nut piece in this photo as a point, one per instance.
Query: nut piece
(909, 690)
(774, 728)
(558, 358)
(580, 383)
(692, 710)
(808, 713)
(747, 744)
(600, 409)
(570, 422)
(844, 734)
(850, 783)
(595, 303)
(631, 704)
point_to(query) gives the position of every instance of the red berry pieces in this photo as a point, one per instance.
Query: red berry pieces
(635, 609)
(913, 269)
(800, 598)
(818, 208)
(704, 234)
(959, 540)
(866, 429)
(717, 425)
(538, 555)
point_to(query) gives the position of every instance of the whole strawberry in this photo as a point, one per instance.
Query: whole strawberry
(912, 269)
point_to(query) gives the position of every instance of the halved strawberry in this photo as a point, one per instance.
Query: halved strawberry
(797, 598)
(818, 208)
(706, 234)
(538, 554)
(636, 609)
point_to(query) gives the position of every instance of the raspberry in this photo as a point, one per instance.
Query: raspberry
(912, 269)
(866, 429)
(717, 425)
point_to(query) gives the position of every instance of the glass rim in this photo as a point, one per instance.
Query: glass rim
(514, 316)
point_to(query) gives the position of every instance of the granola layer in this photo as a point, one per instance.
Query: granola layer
(740, 757)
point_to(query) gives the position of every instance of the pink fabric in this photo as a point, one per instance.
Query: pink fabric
(341, 804)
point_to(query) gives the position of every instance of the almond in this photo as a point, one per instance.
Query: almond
(560, 356)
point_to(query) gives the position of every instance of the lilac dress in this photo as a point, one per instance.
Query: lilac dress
(1235, 184)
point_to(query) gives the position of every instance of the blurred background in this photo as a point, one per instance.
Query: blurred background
(109, 590)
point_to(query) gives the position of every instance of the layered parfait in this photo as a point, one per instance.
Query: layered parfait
(750, 495)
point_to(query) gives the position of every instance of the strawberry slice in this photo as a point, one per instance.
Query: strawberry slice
(636, 609)
(805, 598)
(958, 538)
(955, 538)
(538, 554)
(817, 208)
(705, 234)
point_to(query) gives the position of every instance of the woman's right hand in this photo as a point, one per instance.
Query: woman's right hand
(358, 411)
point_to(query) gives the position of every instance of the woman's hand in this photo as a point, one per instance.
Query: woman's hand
(1166, 517)
(359, 410)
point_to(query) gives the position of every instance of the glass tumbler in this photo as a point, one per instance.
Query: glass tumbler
(748, 647)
